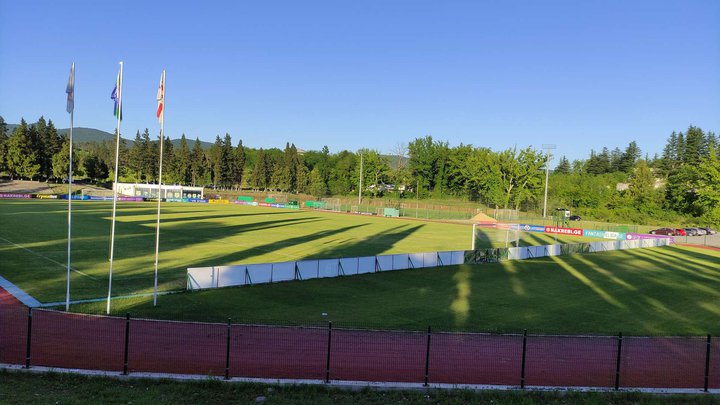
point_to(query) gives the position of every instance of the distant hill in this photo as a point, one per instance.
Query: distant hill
(89, 135)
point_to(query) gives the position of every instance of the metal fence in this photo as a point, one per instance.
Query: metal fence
(326, 352)
(249, 274)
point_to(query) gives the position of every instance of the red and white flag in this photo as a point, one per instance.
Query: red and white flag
(161, 98)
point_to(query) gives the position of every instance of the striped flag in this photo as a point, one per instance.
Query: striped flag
(116, 96)
(70, 90)
(161, 99)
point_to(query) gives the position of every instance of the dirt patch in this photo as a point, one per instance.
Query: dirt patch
(483, 219)
(41, 187)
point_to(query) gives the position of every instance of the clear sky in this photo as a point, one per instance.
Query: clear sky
(352, 74)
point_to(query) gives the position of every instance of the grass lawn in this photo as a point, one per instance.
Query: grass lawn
(660, 291)
(55, 388)
(33, 242)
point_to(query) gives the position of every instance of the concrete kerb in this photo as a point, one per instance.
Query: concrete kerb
(350, 385)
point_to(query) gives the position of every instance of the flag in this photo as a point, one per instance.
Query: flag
(115, 95)
(70, 90)
(161, 98)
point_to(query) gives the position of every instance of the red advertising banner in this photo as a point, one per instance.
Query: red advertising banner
(564, 231)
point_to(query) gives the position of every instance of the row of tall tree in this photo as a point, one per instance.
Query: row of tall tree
(610, 184)
(678, 185)
(33, 151)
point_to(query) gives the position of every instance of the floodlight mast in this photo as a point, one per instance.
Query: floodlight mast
(548, 147)
(361, 176)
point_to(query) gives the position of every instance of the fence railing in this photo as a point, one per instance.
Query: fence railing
(249, 274)
(330, 353)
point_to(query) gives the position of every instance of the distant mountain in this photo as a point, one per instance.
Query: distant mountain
(90, 135)
(87, 135)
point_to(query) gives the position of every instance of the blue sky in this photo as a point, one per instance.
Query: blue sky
(353, 74)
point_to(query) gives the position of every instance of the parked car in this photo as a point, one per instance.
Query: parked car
(680, 232)
(690, 232)
(701, 231)
(575, 217)
(710, 231)
(664, 231)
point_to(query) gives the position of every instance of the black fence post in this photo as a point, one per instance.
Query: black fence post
(29, 339)
(227, 352)
(522, 370)
(427, 357)
(327, 364)
(707, 364)
(127, 343)
(617, 362)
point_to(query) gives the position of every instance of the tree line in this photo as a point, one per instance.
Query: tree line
(614, 185)
(682, 185)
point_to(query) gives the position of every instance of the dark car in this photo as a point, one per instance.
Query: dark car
(663, 231)
(709, 231)
(575, 217)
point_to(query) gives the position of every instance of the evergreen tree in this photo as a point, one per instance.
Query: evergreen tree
(151, 157)
(680, 149)
(239, 164)
(197, 164)
(94, 167)
(3, 144)
(629, 157)
(711, 142)
(616, 158)
(183, 163)
(279, 177)
(669, 159)
(227, 162)
(61, 162)
(135, 163)
(642, 184)
(215, 161)
(303, 178)
(36, 133)
(21, 158)
(170, 166)
(316, 186)
(260, 174)
(52, 142)
(563, 166)
(598, 163)
(694, 145)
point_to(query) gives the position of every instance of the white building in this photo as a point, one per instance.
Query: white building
(166, 191)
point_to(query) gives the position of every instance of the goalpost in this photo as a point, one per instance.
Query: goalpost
(331, 204)
(278, 198)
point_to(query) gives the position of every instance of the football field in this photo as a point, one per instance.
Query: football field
(673, 290)
(33, 242)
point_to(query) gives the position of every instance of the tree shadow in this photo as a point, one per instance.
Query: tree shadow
(380, 243)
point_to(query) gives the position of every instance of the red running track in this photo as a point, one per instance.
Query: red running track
(64, 340)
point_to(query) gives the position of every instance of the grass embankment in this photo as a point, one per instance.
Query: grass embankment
(33, 242)
(55, 388)
(661, 291)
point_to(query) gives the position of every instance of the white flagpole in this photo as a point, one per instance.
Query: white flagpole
(162, 141)
(115, 186)
(70, 171)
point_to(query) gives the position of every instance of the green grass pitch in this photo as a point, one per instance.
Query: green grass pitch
(652, 291)
(33, 242)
